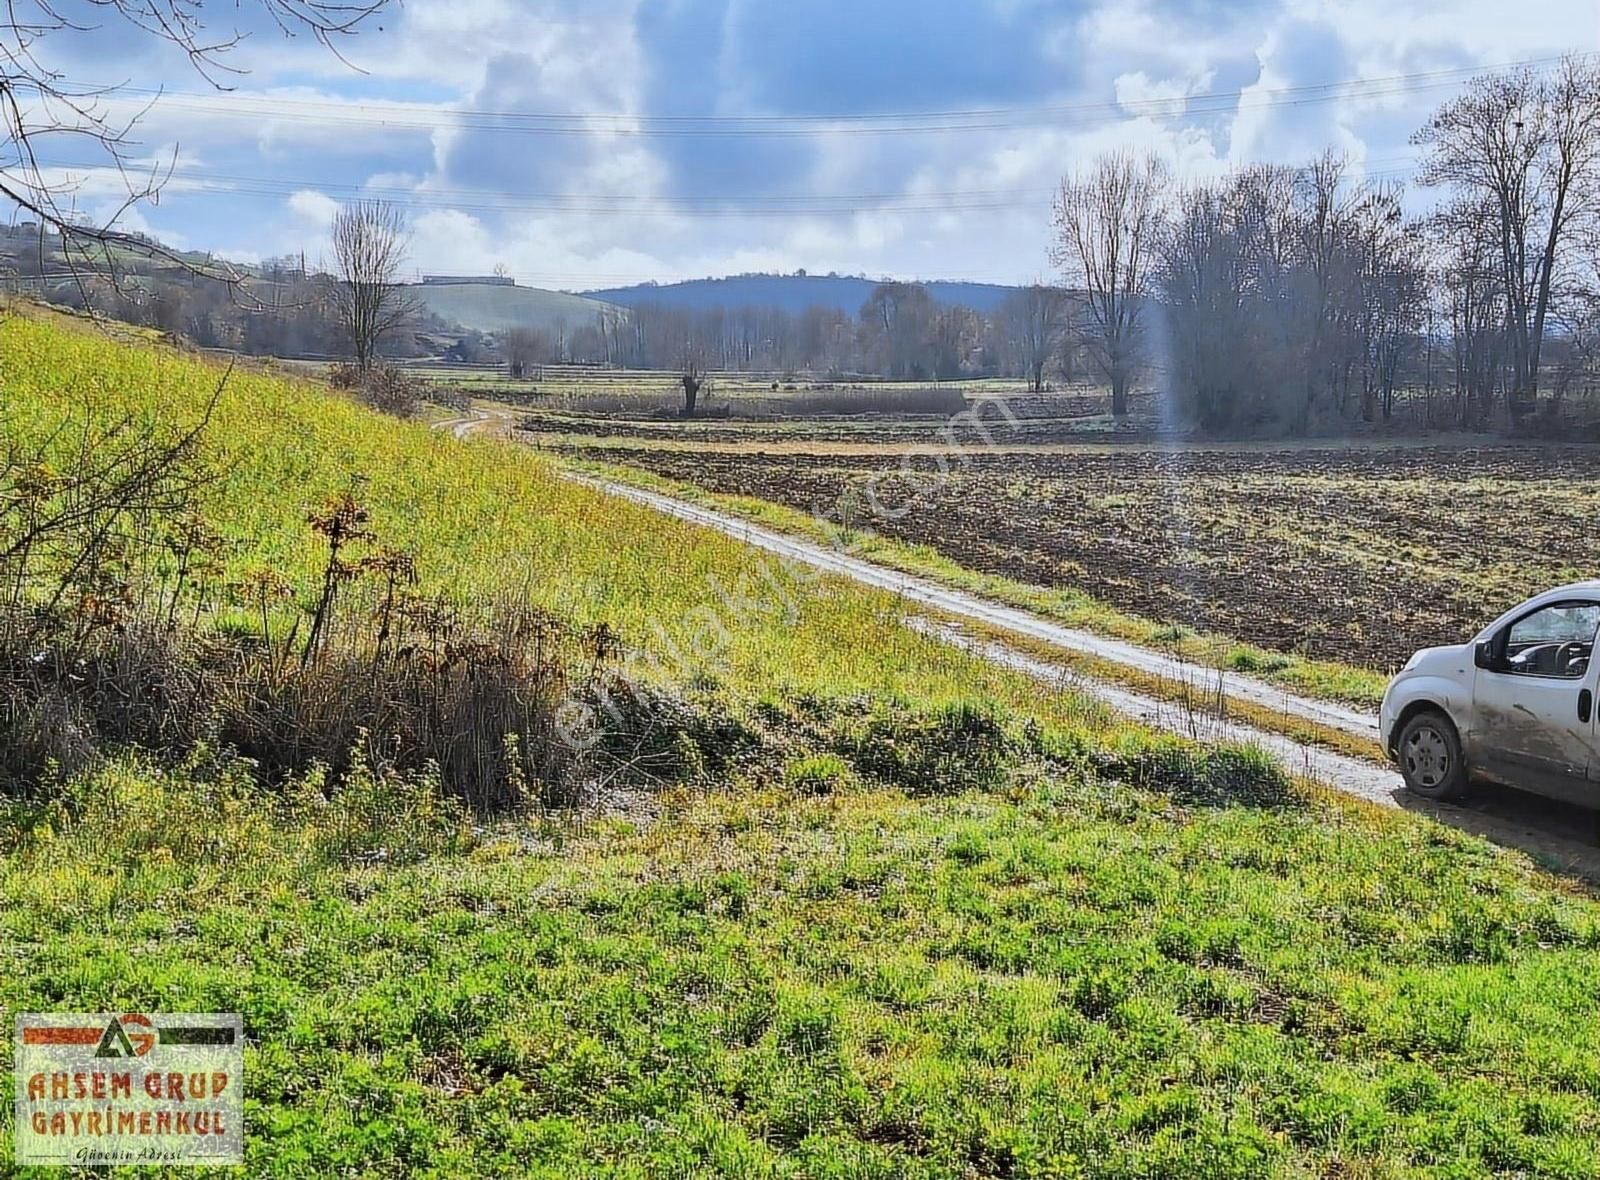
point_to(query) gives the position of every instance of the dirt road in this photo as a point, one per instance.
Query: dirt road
(1234, 685)
(472, 422)
(1562, 837)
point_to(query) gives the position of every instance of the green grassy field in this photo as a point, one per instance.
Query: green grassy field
(931, 922)
(488, 517)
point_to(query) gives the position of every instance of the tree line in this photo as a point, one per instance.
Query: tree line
(1286, 300)
(358, 307)
(1273, 299)
(900, 333)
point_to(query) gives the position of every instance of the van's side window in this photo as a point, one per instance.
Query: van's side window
(1556, 641)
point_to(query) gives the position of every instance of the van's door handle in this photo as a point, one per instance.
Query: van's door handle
(1585, 703)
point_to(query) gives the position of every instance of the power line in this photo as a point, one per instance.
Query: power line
(411, 117)
(542, 199)
(722, 206)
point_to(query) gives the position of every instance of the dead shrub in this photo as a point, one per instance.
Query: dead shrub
(344, 375)
(47, 732)
(477, 701)
(384, 388)
(105, 573)
(390, 391)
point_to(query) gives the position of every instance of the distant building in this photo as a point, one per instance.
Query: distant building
(468, 280)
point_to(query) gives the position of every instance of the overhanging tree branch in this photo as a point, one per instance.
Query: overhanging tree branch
(39, 104)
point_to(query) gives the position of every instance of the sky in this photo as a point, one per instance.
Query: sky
(592, 143)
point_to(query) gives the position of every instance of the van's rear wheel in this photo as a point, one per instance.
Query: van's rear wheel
(1430, 756)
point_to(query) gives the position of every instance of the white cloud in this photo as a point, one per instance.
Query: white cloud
(314, 208)
(1139, 94)
(270, 183)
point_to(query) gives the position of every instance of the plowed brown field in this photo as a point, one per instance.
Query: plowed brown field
(1357, 555)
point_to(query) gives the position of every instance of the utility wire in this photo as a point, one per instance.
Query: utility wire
(723, 206)
(334, 112)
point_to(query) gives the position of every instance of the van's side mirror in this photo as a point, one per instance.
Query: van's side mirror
(1483, 654)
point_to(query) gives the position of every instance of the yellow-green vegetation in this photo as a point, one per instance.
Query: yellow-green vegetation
(486, 517)
(1316, 678)
(923, 920)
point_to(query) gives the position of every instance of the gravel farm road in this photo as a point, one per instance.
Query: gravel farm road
(1563, 837)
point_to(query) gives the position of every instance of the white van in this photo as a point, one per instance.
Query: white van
(1515, 706)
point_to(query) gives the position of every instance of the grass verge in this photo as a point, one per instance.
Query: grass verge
(1075, 974)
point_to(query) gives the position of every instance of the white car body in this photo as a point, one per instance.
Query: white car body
(1525, 714)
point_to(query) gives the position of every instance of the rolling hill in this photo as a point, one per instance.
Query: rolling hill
(490, 308)
(792, 293)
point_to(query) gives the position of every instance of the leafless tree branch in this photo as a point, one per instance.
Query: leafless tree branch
(39, 105)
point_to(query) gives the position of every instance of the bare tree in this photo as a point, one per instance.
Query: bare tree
(524, 348)
(1572, 178)
(1206, 278)
(1391, 294)
(369, 246)
(1106, 221)
(39, 105)
(1036, 320)
(1291, 298)
(1466, 244)
(691, 372)
(1320, 210)
(1529, 146)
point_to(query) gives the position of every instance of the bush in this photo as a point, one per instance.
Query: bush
(384, 388)
(47, 731)
(344, 376)
(818, 774)
(476, 702)
(1220, 776)
(1242, 659)
(652, 736)
(61, 702)
(960, 747)
(390, 391)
